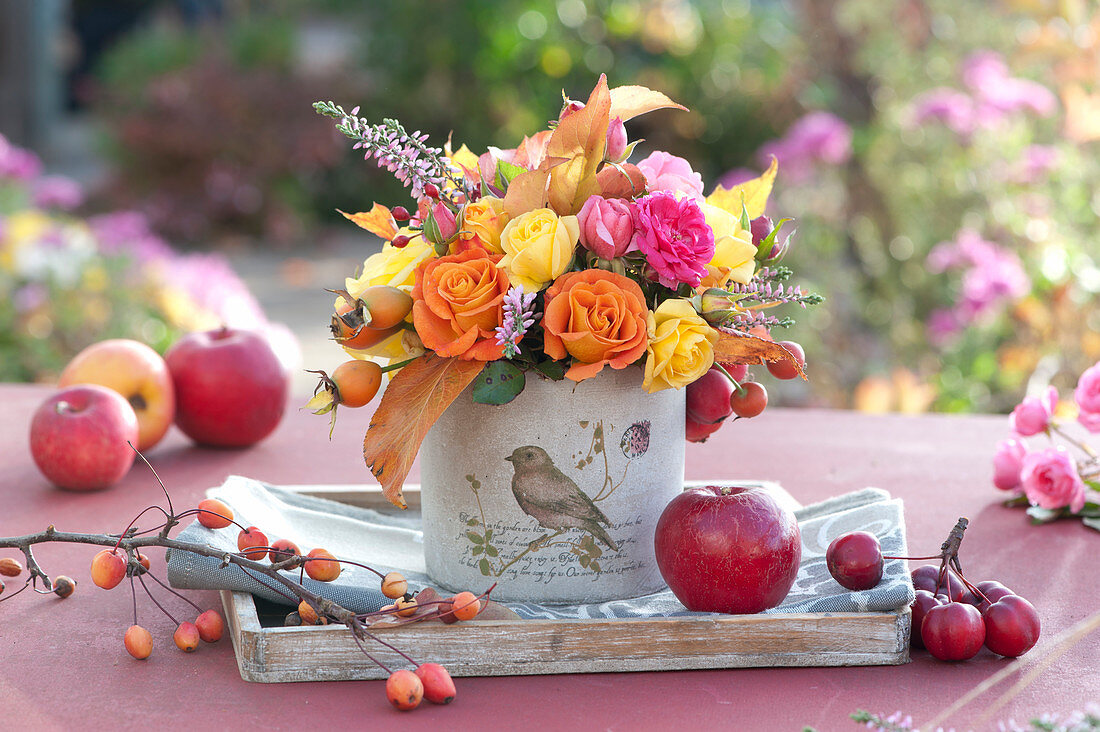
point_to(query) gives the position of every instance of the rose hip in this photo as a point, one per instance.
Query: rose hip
(249, 538)
(138, 642)
(282, 550)
(108, 569)
(465, 605)
(439, 687)
(210, 625)
(64, 586)
(708, 398)
(1011, 626)
(10, 567)
(785, 369)
(953, 632)
(323, 566)
(307, 613)
(221, 515)
(186, 637)
(404, 689)
(750, 400)
(394, 585)
(855, 560)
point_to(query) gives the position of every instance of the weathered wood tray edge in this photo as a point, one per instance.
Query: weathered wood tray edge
(510, 648)
(514, 648)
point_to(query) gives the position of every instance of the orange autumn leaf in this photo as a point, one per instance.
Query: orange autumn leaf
(527, 191)
(580, 138)
(532, 150)
(377, 221)
(414, 400)
(733, 347)
(627, 102)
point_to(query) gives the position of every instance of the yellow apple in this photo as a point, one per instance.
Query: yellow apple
(135, 371)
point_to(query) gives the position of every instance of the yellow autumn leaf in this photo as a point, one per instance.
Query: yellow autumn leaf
(753, 192)
(627, 102)
(377, 221)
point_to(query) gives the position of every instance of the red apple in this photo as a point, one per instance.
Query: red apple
(728, 549)
(231, 389)
(135, 371)
(79, 435)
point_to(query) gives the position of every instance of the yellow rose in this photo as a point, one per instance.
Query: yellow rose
(482, 222)
(392, 266)
(734, 253)
(681, 346)
(396, 268)
(538, 246)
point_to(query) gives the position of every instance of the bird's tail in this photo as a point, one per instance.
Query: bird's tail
(598, 531)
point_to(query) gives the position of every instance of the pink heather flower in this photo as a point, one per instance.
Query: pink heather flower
(1032, 415)
(1051, 480)
(1007, 461)
(999, 93)
(664, 172)
(1037, 163)
(607, 226)
(1087, 396)
(674, 237)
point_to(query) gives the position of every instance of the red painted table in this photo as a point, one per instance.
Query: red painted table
(62, 663)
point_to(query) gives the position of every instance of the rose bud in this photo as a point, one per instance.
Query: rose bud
(716, 305)
(607, 226)
(1033, 414)
(568, 107)
(616, 141)
(1007, 462)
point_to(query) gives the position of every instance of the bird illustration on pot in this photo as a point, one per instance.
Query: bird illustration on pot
(552, 498)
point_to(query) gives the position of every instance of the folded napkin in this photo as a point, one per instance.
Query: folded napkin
(394, 543)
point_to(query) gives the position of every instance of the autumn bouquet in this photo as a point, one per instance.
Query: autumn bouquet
(558, 258)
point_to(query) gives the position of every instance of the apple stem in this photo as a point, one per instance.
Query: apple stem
(177, 594)
(145, 587)
(395, 366)
(62, 407)
(133, 594)
(728, 375)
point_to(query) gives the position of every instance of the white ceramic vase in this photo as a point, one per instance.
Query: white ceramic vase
(554, 496)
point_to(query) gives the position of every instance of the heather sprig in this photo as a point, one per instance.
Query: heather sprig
(407, 156)
(771, 290)
(519, 315)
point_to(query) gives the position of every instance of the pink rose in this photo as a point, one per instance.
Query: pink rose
(664, 172)
(607, 226)
(1087, 396)
(1007, 462)
(1051, 480)
(674, 237)
(1032, 415)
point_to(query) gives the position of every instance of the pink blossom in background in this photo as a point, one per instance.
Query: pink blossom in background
(817, 138)
(128, 232)
(1007, 462)
(736, 177)
(998, 92)
(949, 107)
(1037, 163)
(992, 275)
(1033, 414)
(942, 326)
(675, 238)
(1051, 480)
(1087, 396)
(17, 163)
(607, 226)
(665, 172)
(57, 191)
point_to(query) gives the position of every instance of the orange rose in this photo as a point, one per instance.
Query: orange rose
(596, 317)
(458, 303)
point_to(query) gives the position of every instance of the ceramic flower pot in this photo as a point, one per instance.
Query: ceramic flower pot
(554, 496)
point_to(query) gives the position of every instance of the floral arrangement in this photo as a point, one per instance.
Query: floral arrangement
(558, 257)
(1052, 482)
(66, 282)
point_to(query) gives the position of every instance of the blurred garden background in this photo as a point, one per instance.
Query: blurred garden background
(162, 169)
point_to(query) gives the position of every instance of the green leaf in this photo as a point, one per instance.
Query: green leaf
(488, 534)
(553, 370)
(491, 550)
(475, 538)
(499, 383)
(508, 171)
(1092, 523)
(477, 550)
(594, 566)
(746, 222)
(1016, 502)
(584, 560)
(1042, 515)
(483, 565)
(473, 522)
(765, 247)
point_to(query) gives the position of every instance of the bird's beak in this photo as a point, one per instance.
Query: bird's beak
(509, 458)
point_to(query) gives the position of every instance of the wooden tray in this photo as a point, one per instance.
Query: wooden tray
(507, 648)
